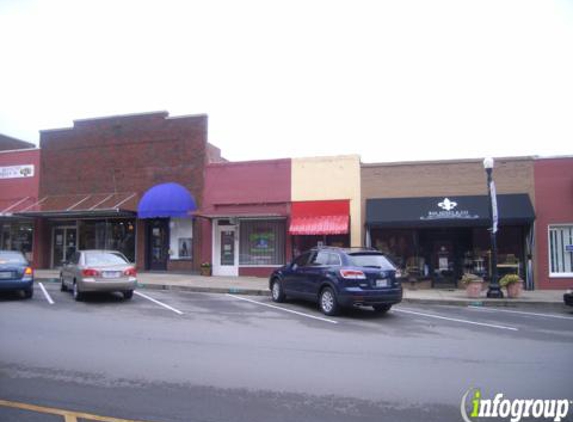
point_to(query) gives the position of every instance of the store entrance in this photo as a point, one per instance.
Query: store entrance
(64, 244)
(157, 244)
(443, 252)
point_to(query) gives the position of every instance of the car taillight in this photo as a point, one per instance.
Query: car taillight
(29, 271)
(89, 272)
(352, 274)
(130, 272)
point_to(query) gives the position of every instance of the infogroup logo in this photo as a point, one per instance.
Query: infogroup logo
(475, 408)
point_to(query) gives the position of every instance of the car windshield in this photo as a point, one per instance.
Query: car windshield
(8, 257)
(105, 258)
(370, 260)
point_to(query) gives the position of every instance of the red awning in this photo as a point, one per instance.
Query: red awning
(320, 217)
(319, 225)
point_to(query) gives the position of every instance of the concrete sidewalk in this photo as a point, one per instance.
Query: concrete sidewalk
(259, 286)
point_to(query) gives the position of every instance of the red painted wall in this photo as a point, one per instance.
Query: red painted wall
(13, 189)
(553, 205)
(249, 188)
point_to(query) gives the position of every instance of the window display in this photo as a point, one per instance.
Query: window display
(262, 242)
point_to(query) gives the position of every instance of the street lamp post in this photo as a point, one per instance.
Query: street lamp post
(494, 290)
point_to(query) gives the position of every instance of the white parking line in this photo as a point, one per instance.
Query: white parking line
(479, 308)
(283, 309)
(464, 321)
(158, 302)
(48, 297)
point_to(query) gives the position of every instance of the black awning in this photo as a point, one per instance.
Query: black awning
(452, 211)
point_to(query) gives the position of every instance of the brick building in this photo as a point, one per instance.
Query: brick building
(19, 185)
(554, 224)
(94, 174)
(7, 143)
(433, 217)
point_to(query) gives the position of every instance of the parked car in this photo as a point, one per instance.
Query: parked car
(98, 271)
(16, 273)
(568, 297)
(338, 278)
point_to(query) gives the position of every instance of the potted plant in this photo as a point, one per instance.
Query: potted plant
(473, 284)
(513, 283)
(206, 269)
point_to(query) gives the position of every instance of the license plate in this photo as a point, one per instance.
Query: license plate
(5, 275)
(111, 274)
(382, 282)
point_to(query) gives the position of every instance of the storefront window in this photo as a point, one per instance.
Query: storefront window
(561, 250)
(262, 242)
(117, 234)
(17, 236)
(181, 238)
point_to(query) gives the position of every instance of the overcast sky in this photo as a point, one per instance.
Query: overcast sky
(389, 80)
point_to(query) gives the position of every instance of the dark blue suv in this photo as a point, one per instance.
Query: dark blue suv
(337, 277)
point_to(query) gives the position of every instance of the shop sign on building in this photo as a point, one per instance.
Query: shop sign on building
(15, 172)
(449, 211)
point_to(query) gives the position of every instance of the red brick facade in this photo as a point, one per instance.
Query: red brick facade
(127, 154)
(554, 206)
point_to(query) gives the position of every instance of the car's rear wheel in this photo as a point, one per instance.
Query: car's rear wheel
(128, 294)
(29, 293)
(381, 309)
(277, 292)
(78, 296)
(63, 287)
(328, 302)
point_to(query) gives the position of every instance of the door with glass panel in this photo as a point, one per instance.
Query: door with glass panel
(64, 244)
(226, 254)
(158, 244)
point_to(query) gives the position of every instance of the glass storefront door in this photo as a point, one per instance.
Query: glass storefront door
(158, 244)
(64, 244)
(226, 251)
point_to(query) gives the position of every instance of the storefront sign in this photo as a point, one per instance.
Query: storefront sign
(449, 212)
(16, 172)
(262, 242)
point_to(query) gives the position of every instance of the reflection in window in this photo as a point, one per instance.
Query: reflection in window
(116, 234)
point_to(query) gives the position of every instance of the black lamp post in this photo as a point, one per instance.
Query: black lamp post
(494, 290)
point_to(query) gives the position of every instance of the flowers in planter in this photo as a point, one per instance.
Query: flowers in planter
(509, 279)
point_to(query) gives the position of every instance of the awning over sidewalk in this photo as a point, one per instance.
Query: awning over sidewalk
(320, 217)
(451, 211)
(82, 205)
(166, 200)
(8, 207)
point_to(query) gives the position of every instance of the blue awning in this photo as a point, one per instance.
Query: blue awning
(166, 200)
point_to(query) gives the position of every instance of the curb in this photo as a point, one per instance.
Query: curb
(489, 303)
(197, 289)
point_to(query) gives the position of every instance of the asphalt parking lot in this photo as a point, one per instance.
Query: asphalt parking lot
(200, 356)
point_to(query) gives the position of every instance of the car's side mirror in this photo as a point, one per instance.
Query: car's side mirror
(293, 266)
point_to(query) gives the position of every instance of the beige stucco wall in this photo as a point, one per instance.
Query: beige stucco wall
(328, 178)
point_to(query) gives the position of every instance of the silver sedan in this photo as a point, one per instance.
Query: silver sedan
(98, 271)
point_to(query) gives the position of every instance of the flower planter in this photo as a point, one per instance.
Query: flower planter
(514, 289)
(206, 271)
(473, 290)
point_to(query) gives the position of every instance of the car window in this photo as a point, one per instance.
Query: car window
(321, 258)
(334, 260)
(105, 258)
(302, 260)
(10, 257)
(370, 260)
